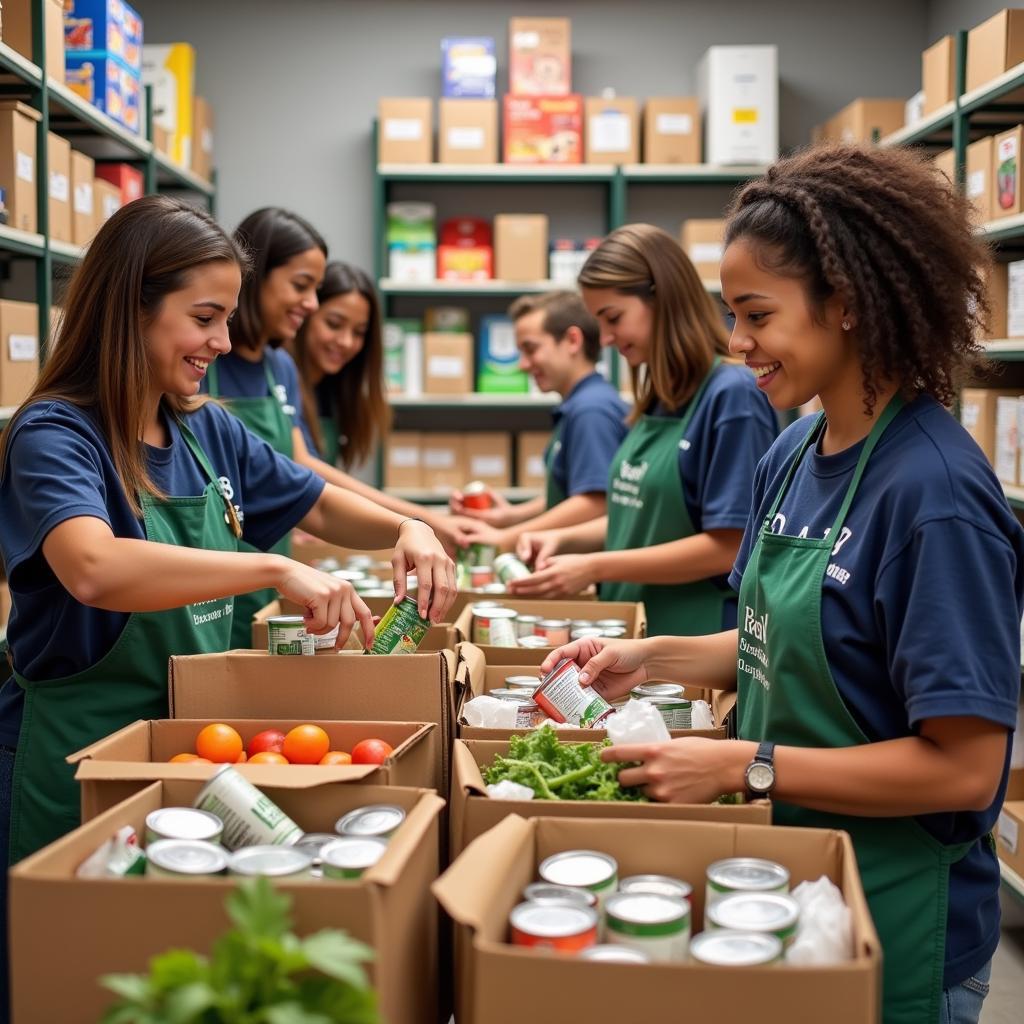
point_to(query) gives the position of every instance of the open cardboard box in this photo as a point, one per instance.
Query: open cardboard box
(473, 812)
(116, 925)
(308, 549)
(347, 687)
(497, 983)
(112, 769)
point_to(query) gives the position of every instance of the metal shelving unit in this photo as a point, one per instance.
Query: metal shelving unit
(1009, 350)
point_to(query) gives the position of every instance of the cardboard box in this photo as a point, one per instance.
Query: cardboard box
(468, 68)
(126, 761)
(83, 203)
(19, 356)
(739, 99)
(1009, 838)
(938, 74)
(107, 199)
(406, 130)
(348, 688)
(1007, 442)
(468, 132)
(1013, 297)
(18, 165)
(997, 286)
(171, 70)
(540, 56)
(403, 460)
(946, 162)
(128, 180)
(994, 46)
(388, 908)
(58, 155)
(17, 32)
(1006, 198)
(444, 460)
(613, 131)
(865, 120)
(447, 365)
(107, 84)
(497, 358)
(521, 246)
(672, 130)
(543, 129)
(489, 458)
(202, 138)
(309, 550)
(161, 140)
(703, 241)
(980, 177)
(486, 882)
(978, 416)
(412, 241)
(531, 470)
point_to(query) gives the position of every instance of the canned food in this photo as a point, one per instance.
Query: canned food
(349, 575)
(545, 892)
(582, 869)
(284, 863)
(656, 690)
(378, 820)
(656, 925)
(401, 630)
(494, 626)
(560, 926)
(561, 698)
(744, 874)
(313, 844)
(509, 568)
(612, 624)
(613, 632)
(476, 495)
(183, 823)
(608, 954)
(533, 643)
(359, 562)
(493, 588)
(727, 948)
(327, 564)
(377, 592)
(582, 624)
(185, 858)
(349, 856)
(326, 641)
(368, 583)
(677, 712)
(286, 634)
(584, 631)
(658, 885)
(481, 554)
(773, 913)
(524, 684)
(480, 575)
(249, 817)
(555, 631)
(528, 713)
(525, 624)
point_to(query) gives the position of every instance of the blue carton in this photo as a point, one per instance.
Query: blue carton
(107, 84)
(498, 358)
(104, 26)
(469, 67)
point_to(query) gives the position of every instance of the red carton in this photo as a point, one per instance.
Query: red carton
(543, 129)
(125, 177)
(466, 250)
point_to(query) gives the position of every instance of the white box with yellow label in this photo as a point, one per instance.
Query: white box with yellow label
(170, 68)
(739, 98)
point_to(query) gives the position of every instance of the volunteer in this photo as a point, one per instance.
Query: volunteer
(258, 379)
(880, 579)
(559, 346)
(339, 352)
(680, 484)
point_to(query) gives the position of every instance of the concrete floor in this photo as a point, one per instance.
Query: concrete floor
(1005, 1001)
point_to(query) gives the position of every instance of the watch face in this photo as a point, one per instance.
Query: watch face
(760, 777)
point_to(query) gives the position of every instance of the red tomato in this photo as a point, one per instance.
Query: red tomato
(269, 739)
(371, 752)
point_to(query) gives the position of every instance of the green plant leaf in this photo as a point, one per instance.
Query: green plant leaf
(176, 967)
(135, 987)
(186, 1005)
(294, 1013)
(338, 956)
(256, 908)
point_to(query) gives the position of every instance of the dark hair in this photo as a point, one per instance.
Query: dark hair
(361, 409)
(562, 310)
(272, 237)
(883, 230)
(146, 251)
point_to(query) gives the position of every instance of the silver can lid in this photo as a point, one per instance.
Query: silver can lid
(657, 690)
(586, 869)
(285, 620)
(528, 620)
(553, 920)
(584, 631)
(496, 611)
(609, 953)
(553, 623)
(515, 696)
(313, 843)
(184, 823)
(747, 874)
(375, 820)
(359, 561)
(657, 885)
(754, 912)
(350, 575)
(724, 947)
(644, 908)
(270, 861)
(187, 856)
(527, 683)
(613, 632)
(545, 892)
(533, 643)
(583, 624)
(612, 623)
(353, 853)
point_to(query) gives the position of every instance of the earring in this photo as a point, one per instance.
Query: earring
(846, 325)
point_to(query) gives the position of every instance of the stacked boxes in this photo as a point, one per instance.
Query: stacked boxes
(440, 461)
(469, 67)
(125, 178)
(58, 154)
(18, 164)
(17, 28)
(864, 120)
(170, 69)
(83, 200)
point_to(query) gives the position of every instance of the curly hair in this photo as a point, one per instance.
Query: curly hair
(883, 230)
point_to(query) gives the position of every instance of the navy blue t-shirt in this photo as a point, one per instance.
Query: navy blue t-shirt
(59, 467)
(920, 609)
(593, 424)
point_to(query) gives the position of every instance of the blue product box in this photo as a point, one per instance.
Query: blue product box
(107, 84)
(498, 358)
(104, 26)
(469, 67)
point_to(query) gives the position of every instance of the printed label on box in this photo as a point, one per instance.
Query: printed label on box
(23, 348)
(1008, 148)
(487, 465)
(465, 138)
(706, 252)
(526, 40)
(438, 458)
(403, 129)
(26, 167)
(1008, 832)
(60, 187)
(744, 115)
(970, 413)
(404, 457)
(83, 199)
(610, 132)
(975, 184)
(110, 206)
(674, 124)
(447, 367)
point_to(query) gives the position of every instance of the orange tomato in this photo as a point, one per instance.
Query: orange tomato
(268, 757)
(183, 758)
(371, 752)
(306, 744)
(219, 743)
(336, 757)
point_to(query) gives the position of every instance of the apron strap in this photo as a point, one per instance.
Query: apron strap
(213, 380)
(230, 515)
(698, 395)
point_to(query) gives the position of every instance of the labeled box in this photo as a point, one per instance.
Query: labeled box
(672, 130)
(465, 252)
(389, 907)
(58, 154)
(540, 56)
(865, 120)
(997, 290)
(946, 162)
(994, 46)
(171, 70)
(938, 74)
(468, 131)
(110, 26)
(18, 165)
(447, 365)
(107, 198)
(613, 131)
(19, 358)
(978, 416)
(402, 466)
(531, 470)
(108, 85)
(739, 97)
(468, 67)
(406, 130)
(1013, 297)
(444, 460)
(1006, 199)
(412, 241)
(202, 138)
(17, 33)
(521, 246)
(83, 203)
(489, 458)
(703, 241)
(497, 359)
(980, 177)
(543, 129)
(1007, 439)
(127, 179)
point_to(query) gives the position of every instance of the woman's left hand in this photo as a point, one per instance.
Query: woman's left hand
(419, 551)
(693, 770)
(564, 576)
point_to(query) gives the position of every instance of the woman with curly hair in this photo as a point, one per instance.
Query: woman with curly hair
(881, 574)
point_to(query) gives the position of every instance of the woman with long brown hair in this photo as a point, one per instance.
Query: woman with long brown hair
(681, 483)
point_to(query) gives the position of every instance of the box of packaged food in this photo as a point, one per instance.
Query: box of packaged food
(540, 56)
(980, 177)
(498, 360)
(468, 132)
(613, 130)
(468, 67)
(521, 246)
(108, 85)
(543, 129)
(1006, 199)
(110, 26)
(938, 74)
(17, 29)
(170, 68)
(465, 251)
(411, 241)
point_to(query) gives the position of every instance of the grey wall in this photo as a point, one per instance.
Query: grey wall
(295, 85)
(948, 16)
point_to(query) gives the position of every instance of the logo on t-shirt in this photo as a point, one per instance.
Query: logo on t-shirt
(834, 570)
(228, 490)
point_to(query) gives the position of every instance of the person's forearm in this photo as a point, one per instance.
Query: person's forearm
(341, 516)
(525, 511)
(584, 537)
(580, 508)
(708, 662)
(700, 557)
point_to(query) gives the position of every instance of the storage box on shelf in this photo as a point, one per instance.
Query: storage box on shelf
(612, 133)
(19, 350)
(17, 32)
(864, 120)
(993, 47)
(169, 69)
(58, 155)
(406, 130)
(738, 90)
(938, 74)
(18, 163)
(540, 56)
(468, 131)
(672, 130)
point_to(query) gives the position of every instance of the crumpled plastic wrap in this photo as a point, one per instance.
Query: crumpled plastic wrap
(490, 713)
(701, 716)
(824, 934)
(118, 856)
(508, 790)
(637, 722)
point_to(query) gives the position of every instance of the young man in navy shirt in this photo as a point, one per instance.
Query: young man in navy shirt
(559, 346)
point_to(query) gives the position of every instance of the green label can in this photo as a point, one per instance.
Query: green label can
(286, 634)
(509, 567)
(401, 630)
(250, 818)
(482, 554)
(348, 857)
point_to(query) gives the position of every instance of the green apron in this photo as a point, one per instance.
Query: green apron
(130, 682)
(554, 493)
(266, 418)
(787, 695)
(331, 447)
(646, 506)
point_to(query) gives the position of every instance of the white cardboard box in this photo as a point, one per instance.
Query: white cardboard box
(1006, 439)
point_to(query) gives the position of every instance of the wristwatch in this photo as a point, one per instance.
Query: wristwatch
(760, 775)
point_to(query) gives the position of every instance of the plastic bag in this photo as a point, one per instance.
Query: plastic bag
(701, 716)
(637, 722)
(509, 790)
(120, 855)
(490, 713)
(824, 934)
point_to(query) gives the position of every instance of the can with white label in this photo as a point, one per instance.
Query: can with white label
(656, 925)
(250, 818)
(562, 698)
(494, 626)
(287, 634)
